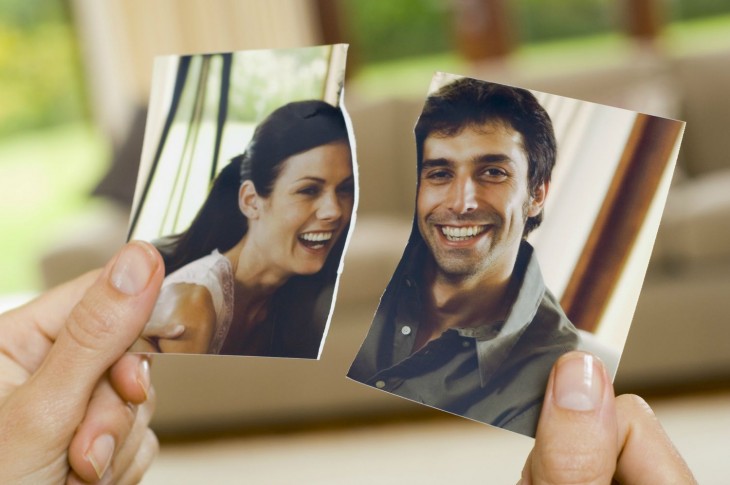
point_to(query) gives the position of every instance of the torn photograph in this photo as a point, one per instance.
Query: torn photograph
(247, 187)
(535, 216)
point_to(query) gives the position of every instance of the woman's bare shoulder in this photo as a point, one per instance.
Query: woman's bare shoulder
(186, 295)
(190, 305)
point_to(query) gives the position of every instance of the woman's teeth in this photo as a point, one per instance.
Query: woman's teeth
(315, 240)
(461, 233)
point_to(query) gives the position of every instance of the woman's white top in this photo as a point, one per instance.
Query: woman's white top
(215, 273)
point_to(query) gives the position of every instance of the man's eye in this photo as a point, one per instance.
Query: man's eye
(494, 173)
(438, 175)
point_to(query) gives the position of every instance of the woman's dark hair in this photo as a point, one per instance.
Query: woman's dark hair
(289, 130)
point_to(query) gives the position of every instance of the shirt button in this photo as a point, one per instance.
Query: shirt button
(409, 283)
(465, 343)
(380, 384)
(406, 330)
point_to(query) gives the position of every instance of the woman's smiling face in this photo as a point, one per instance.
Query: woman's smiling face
(308, 208)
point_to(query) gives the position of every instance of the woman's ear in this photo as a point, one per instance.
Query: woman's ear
(248, 200)
(537, 199)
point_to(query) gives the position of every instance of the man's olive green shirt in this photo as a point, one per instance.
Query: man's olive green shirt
(494, 372)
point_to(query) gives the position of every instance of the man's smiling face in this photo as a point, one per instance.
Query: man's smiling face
(473, 200)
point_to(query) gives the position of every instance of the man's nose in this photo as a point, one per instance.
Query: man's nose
(330, 208)
(462, 196)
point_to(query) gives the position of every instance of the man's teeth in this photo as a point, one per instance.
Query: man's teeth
(461, 233)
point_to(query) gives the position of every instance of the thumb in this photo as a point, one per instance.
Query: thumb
(101, 327)
(576, 439)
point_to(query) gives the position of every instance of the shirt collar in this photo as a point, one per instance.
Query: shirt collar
(527, 278)
(494, 342)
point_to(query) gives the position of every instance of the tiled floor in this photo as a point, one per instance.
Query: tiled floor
(442, 451)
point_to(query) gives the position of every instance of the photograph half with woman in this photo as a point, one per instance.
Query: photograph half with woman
(252, 250)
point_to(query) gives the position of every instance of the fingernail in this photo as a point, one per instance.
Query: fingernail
(133, 269)
(100, 454)
(578, 383)
(143, 377)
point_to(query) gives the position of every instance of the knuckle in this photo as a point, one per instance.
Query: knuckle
(108, 412)
(147, 409)
(634, 402)
(91, 322)
(128, 413)
(573, 466)
(151, 399)
(153, 444)
(148, 450)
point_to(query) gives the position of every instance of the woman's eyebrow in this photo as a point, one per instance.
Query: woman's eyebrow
(310, 178)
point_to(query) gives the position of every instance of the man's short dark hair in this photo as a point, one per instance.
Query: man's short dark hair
(468, 102)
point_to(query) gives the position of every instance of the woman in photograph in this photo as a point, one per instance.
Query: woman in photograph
(254, 274)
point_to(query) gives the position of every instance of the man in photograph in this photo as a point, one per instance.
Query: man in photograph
(466, 324)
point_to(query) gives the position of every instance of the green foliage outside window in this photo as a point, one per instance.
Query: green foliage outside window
(39, 73)
(692, 9)
(385, 29)
(540, 20)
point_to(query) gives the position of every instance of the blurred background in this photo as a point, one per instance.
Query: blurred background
(74, 83)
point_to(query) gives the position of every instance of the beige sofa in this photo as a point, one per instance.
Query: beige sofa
(680, 336)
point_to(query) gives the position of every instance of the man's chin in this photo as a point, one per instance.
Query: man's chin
(454, 267)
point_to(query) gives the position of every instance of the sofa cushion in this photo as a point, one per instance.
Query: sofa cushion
(694, 227)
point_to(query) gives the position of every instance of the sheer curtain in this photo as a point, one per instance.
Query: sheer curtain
(203, 111)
